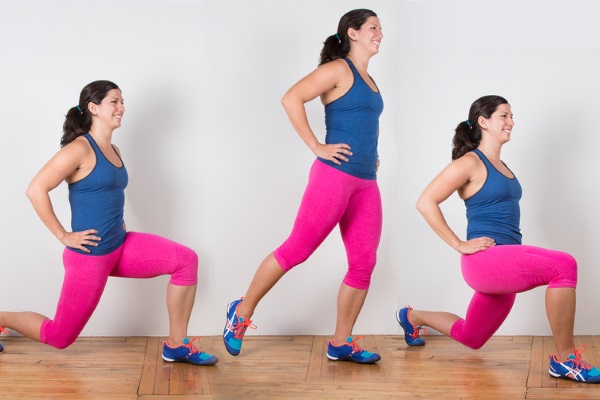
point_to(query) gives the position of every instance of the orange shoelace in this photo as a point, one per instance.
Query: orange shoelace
(239, 329)
(355, 347)
(192, 348)
(190, 345)
(579, 362)
(418, 331)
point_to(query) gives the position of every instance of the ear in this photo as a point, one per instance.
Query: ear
(351, 32)
(92, 108)
(482, 121)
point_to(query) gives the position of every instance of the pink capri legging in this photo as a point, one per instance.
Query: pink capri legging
(142, 255)
(497, 275)
(333, 197)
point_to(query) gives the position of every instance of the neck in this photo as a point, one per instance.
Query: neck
(491, 150)
(360, 62)
(101, 135)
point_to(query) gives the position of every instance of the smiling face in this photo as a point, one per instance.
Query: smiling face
(500, 123)
(368, 36)
(110, 110)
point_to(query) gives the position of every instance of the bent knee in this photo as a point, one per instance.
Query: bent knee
(359, 274)
(569, 262)
(474, 345)
(358, 281)
(188, 258)
(61, 345)
(566, 272)
(289, 258)
(186, 273)
(60, 342)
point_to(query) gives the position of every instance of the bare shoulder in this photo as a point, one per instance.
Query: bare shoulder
(79, 144)
(473, 171)
(332, 70)
(468, 160)
(337, 67)
(339, 79)
(79, 152)
(462, 170)
(338, 63)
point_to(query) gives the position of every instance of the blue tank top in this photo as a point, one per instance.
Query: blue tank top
(494, 210)
(354, 119)
(97, 202)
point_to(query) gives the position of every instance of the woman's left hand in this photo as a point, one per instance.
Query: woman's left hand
(333, 152)
(476, 245)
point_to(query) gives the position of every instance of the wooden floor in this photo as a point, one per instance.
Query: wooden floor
(289, 367)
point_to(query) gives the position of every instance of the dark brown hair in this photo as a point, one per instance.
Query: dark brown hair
(78, 119)
(467, 135)
(338, 45)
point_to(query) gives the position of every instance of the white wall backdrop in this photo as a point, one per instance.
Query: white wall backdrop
(215, 164)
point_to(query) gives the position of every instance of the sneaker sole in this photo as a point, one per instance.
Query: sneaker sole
(229, 349)
(559, 376)
(345, 358)
(186, 361)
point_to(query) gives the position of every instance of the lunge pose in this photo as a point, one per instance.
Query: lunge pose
(493, 260)
(98, 245)
(342, 187)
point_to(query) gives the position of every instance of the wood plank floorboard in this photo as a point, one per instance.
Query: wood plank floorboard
(289, 368)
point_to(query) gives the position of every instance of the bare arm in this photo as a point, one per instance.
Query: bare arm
(63, 165)
(324, 79)
(455, 176)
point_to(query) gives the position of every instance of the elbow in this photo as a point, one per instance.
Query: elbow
(426, 206)
(29, 192)
(285, 101)
(291, 100)
(420, 205)
(32, 192)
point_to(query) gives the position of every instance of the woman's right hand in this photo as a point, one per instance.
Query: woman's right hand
(333, 152)
(79, 240)
(473, 246)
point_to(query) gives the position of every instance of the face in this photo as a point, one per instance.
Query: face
(368, 36)
(110, 111)
(499, 124)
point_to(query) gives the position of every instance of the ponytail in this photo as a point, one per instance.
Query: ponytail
(467, 137)
(77, 122)
(335, 46)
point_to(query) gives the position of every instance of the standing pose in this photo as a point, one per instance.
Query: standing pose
(494, 262)
(342, 187)
(99, 246)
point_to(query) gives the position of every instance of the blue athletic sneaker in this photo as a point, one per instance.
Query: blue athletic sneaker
(187, 353)
(2, 330)
(351, 352)
(575, 368)
(235, 328)
(411, 332)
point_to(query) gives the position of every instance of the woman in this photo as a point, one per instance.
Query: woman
(342, 186)
(99, 246)
(494, 262)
